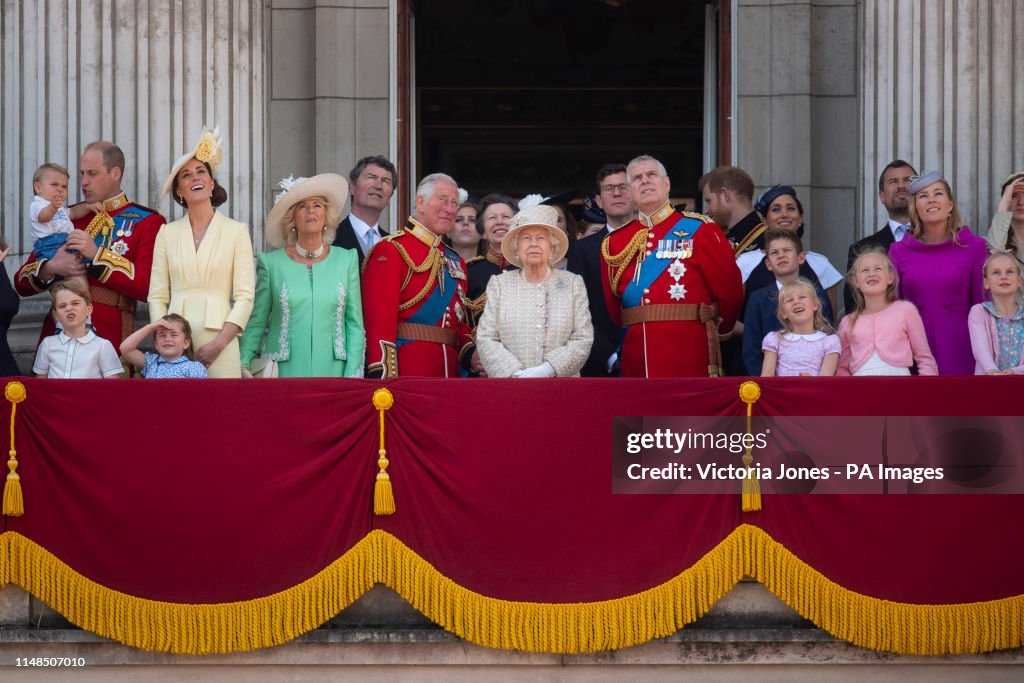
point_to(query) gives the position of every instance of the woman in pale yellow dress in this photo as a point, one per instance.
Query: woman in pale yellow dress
(203, 262)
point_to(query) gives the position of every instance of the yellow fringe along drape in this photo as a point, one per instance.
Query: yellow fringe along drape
(535, 627)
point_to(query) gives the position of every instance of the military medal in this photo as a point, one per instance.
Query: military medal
(119, 247)
(687, 249)
(676, 270)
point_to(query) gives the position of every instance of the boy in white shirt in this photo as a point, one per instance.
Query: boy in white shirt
(76, 352)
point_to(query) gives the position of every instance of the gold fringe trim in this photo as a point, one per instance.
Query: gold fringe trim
(183, 628)
(534, 627)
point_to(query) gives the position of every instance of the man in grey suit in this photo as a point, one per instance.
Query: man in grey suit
(372, 183)
(894, 193)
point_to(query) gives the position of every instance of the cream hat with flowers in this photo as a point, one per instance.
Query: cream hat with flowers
(539, 216)
(207, 150)
(331, 186)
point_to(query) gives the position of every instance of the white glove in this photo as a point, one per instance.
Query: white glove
(545, 369)
(612, 360)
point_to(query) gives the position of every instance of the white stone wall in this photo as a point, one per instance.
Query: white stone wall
(330, 83)
(943, 88)
(797, 104)
(147, 75)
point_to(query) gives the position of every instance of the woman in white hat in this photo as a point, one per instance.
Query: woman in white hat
(307, 292)
(202, 263)
(537, 319)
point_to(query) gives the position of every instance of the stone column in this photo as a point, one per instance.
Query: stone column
(795, 121)
(329, 86)
(942, 89)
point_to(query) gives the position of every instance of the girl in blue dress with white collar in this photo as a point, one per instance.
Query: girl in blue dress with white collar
(173, 341)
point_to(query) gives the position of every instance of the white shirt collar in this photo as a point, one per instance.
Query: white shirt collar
(84, 339)
(896, 227)
(814, 336)
(360, 226)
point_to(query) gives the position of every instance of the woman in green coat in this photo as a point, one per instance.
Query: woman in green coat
(308, 302)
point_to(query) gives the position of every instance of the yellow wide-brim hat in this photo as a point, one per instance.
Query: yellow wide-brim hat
(331, 186)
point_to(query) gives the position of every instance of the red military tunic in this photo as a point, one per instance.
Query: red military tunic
(414, 294)
(683, 259)
(119, 273)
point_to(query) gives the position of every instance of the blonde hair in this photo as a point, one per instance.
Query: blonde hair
(48, 166)
(999, 254)
(820, 323)
(851, 280)
(954, 221)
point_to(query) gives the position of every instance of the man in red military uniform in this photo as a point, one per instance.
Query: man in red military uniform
(414, 293)
(671, 281)
(117, 243)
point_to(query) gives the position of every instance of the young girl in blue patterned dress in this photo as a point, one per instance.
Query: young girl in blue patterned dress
(173, 341)
(997, 326)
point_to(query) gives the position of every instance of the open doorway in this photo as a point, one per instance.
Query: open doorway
(534, 96)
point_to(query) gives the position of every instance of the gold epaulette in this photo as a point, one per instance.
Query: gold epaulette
(475, 259)
(699, 216)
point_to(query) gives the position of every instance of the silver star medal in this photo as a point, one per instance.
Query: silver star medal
(120, 248)
(677, 270)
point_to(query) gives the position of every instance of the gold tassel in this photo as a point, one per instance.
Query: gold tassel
(750, 392)
(14, 502)
(383, 498)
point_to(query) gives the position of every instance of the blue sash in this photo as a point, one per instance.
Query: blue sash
(433, 308)
(653, 266)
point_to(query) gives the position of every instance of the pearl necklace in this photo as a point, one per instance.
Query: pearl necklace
(309, 253)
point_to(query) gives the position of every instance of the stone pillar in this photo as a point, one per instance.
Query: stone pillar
(147, 76)
(329, 86)
(942, 89)
(796, 117)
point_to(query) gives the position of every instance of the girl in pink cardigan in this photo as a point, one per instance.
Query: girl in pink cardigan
(997, 326)
(882, 336)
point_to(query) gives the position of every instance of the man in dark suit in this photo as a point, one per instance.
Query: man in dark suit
(372, 183)
(584, 259)
(894, 193)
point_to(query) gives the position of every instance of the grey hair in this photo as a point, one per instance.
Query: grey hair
(641, 159)
(426, 186)
(330, 226)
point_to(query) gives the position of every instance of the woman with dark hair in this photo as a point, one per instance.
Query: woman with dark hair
(1007, 230)
(203, 262)
(493, 222)
(464, 237)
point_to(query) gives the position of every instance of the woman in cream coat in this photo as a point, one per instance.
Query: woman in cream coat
(537, 319)
(203, 263)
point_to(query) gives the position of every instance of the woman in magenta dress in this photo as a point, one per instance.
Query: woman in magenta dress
(940, 271)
